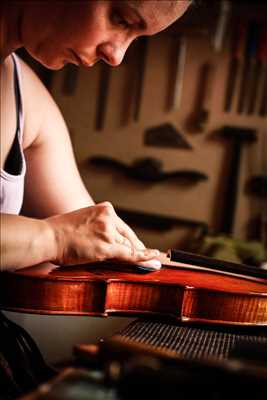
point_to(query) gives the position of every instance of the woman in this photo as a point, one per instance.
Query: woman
(59, 222)
(34, 136)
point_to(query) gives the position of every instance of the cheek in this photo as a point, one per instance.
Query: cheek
(88, 39)
(46, 50)
(91, 28)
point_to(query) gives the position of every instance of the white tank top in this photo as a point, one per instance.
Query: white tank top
(13, 175)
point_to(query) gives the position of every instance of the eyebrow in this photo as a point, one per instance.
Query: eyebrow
(142, 24)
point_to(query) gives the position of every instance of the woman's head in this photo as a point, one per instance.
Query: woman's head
(85, 32)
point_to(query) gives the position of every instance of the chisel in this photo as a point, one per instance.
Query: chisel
(248, 65)
(221, 25)
(179, 60)
(238, 44)
(255, 79)
(200, 116)
(263, 71)
(70, 80)
(139, 78)
(252, 84)
(263, 104)
(104, 83)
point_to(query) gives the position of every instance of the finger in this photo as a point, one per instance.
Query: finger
(131, 255)
(126, 231)
(122, 227)
(123, 241)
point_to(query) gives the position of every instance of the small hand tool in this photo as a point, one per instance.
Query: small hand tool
(238, 45)
(257, 186)
(70, 79)
(263, 104)
(102, 101)
(238, 137)
(177, 74)
(248, 65)
(254, 73)
(139, 78)
(200, 115)
(165, 135)
(260, 70)
(158, 222)
(149, 169)
(262, 55)
(221, 26)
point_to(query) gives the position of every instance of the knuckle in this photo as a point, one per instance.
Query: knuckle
(104, 230)
(106, 207)
(102, 225)
(106, 236)
(107, 204)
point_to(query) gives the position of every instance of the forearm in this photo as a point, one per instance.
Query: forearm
(87, 235)
(25, 242)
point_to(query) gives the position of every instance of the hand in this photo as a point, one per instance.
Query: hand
(96, 233)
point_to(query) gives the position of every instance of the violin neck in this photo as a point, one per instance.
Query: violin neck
(214, 264)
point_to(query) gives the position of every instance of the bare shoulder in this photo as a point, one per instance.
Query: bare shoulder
(37, 102)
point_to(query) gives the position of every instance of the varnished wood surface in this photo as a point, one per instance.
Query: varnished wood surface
(97, 289)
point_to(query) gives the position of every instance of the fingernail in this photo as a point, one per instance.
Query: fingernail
(150, 265)
(156, 264)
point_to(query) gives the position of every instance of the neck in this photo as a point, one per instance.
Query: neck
(10, 22)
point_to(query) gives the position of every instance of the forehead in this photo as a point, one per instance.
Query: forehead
(158, 14)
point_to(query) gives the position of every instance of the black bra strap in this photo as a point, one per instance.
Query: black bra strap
(17, 94)
(13, 163)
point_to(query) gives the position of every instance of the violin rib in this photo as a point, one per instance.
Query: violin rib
(96, 290)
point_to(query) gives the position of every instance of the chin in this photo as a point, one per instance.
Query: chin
(55, 64)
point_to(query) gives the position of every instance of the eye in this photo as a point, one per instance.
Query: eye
(118, 19)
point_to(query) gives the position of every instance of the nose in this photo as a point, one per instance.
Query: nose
(112, 53)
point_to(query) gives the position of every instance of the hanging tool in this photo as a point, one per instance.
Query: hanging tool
(263, 58)
(253, 67)
(221, 26)
(238, 45)
(238, 137)
(139, 77)
(199, 118)
(157, 221)
(177, 74)
(165, 135)
(263, 104)
(70, 79)
(259, 69)
(102, 101)
(257, 186)
(149, 169)
(248, 65)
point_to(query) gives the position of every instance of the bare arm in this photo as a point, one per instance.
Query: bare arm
(85, 235)
(62, 224)
(53, 184)
(25, 242)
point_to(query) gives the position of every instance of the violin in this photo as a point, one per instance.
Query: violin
(186, 293)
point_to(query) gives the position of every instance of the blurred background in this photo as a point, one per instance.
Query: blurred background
(176, 138)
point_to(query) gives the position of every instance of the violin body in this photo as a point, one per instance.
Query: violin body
(103, 289)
